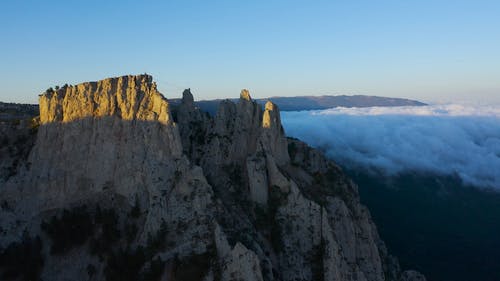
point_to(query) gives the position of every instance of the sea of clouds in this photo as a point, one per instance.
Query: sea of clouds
(454, 139)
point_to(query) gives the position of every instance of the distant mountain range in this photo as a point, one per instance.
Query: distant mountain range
(16, 111)
(10, 111)
(314, 102)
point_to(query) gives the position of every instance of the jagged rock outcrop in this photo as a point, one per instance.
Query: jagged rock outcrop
(237, 263)
(273, 136)
(306, 196)
(110, 142)
(197, 197)
(193, 125)
(115, 134)
(126, 97)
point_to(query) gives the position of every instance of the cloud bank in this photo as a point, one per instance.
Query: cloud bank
(446, 139)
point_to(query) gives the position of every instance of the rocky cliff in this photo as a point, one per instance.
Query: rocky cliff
(119, 186)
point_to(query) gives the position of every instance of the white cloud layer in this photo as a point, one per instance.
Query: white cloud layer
(446, 139)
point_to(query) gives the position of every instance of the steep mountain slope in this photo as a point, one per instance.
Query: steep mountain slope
(119, 187)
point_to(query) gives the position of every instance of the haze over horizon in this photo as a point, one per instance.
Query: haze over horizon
(433, 51)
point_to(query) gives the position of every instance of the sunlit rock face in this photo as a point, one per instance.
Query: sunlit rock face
(127, 97)
(234, 198)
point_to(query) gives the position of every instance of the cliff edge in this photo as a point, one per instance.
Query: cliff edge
(119, 186)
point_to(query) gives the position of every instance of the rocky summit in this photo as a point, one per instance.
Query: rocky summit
(113, 183)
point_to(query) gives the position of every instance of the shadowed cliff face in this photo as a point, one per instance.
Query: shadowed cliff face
(98, 135)
(219, 198)
(303, 205)
(110, 143)
(17, 138)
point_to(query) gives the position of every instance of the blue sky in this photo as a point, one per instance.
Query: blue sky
(427, 50)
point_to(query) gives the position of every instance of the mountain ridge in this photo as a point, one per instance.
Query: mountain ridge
(177, 194)
(295, 103)
(298, 103)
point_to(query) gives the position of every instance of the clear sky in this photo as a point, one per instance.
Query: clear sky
(428, 50)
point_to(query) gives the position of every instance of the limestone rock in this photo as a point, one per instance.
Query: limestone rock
(310, 159)
(354, 234)
(245, 95)
(187, 98)
(273, 136)
(193, 127)
(238, 136)
(257, 179)
(113, 141)
(237, 263)
(412, 275)
(127, 97)
(231, 189)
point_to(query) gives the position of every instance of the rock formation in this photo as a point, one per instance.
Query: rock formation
(180, 195)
